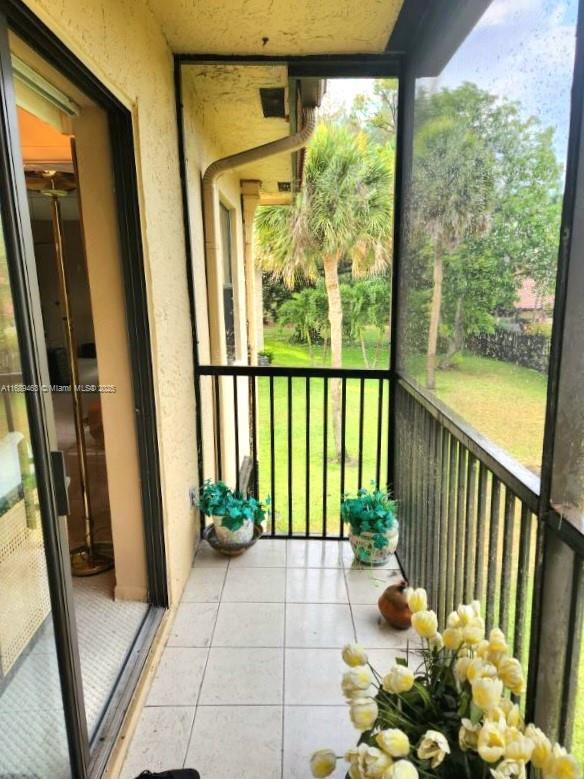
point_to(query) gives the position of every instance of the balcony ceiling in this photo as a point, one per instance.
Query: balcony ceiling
(226, 103)
(291, 28)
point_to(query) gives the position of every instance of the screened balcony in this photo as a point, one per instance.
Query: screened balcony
(478, 436)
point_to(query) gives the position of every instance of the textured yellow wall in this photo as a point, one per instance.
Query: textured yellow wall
(202, 147)
(120, 41)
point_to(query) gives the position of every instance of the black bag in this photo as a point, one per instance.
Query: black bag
(176, 773)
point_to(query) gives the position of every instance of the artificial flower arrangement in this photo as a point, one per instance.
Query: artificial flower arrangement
(371, 515)
(452, 718)
(234, 514)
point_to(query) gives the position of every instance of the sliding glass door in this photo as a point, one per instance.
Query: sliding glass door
(42, 723)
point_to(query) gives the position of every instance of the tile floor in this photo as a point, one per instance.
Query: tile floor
(249, 683)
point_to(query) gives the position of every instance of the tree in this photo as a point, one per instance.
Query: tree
(367, 304)
(519, 237)
(452, 191)
(306, 311)
(342, 212)
(377, 113)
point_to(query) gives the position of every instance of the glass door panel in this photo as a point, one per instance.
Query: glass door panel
(33, 741)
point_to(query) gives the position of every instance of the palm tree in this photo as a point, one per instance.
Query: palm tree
(343, 213)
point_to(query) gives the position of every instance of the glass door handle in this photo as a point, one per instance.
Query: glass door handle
(61, 481)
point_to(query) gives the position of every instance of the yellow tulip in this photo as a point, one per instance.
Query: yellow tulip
(354, 654)
(403, 769)
(486, 692)
(518, 747)
(511, 674)
(377, 763)
(468, 736)
(394, 741)
(480, 669)
(356, 681)
(399, 679)
(473, 634)
(425, 623)
(363, 713)
(436, 642)
(542, 746)
(418, 600)
(453, 620)
(466, 614)
(452, 638)
(561, 765)
(509, 769)
(497, 641)
(461, 669)
(491, 742)
(323, 763)
(434, 747)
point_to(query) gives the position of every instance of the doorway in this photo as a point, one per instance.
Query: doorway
(81, 542)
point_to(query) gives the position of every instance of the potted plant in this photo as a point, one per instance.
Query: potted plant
(265, 357)
(374, 533)
(234, 514)
(451, 715)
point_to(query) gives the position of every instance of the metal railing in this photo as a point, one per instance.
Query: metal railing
(314, 434)
(472, 528)
(471, 524)
(469, 521)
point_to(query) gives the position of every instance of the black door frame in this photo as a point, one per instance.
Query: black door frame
(16, 17)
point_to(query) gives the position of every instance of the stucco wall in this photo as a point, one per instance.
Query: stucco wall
(120, 41)
(201, 148)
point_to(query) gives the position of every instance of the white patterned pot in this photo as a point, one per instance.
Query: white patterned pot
(366, 552)
(227, 537)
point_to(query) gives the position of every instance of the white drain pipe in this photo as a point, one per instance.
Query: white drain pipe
(289, 144)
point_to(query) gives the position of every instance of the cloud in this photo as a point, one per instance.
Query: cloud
(502, 11)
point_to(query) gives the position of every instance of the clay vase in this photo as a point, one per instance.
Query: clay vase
(393, 606)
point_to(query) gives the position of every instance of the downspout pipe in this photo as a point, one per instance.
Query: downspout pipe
(288, 144)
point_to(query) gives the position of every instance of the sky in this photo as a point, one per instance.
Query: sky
(522, 50)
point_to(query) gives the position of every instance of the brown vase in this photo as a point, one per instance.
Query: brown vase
(393, 606)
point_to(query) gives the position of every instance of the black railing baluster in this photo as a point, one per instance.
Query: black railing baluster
(307, 444)
(361, 417)
(324, 452)
(236, 426)
(460, 535)
(522, 574)
(493, 555)
(416, 550)
(444, 561)
(379, 428)
(290, 463)
(428, 518)
(254, 436)
(218, 434)
(423, 499)
(272, 459)
(343, 444)
(508, 528)
(436, 487)
(481, 533)
(452, 492)
(470, 533)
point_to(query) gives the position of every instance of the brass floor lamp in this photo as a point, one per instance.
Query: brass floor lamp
(89, 559)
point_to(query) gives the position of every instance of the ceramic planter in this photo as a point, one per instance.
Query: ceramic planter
(366, 552)
(227, 537)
